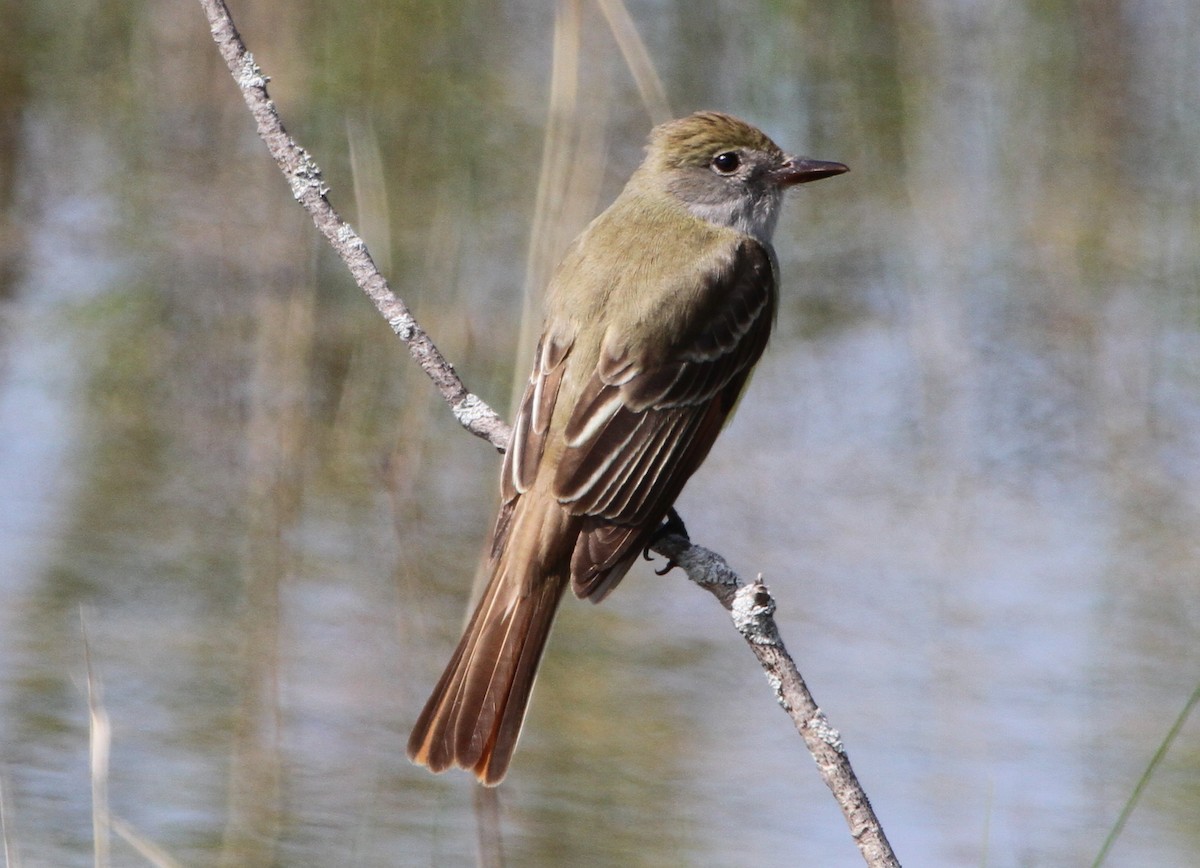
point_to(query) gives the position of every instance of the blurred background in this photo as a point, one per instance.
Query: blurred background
(968, 466)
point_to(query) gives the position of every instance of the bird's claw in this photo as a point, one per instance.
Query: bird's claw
(672, 525)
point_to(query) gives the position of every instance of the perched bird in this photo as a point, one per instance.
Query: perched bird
(654, 319)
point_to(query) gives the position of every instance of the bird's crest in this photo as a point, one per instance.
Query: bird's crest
(693, 140)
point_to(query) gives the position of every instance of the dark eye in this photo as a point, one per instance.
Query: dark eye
(727, 163)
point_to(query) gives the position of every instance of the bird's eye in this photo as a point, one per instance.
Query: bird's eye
(727, 163)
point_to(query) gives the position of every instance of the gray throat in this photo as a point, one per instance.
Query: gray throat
(755, 217)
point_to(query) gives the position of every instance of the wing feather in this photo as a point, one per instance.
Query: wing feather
(647, 417)
(532, 424)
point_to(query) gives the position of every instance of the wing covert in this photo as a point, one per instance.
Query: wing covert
(644, 422)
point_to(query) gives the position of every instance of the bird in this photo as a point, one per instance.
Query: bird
(654, 319)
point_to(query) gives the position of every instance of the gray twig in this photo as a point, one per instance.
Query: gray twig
(753, 611)
(304, 176)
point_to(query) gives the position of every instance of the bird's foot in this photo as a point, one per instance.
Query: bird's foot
(672, 525)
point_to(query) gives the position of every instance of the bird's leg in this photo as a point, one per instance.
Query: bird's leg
(672, 525)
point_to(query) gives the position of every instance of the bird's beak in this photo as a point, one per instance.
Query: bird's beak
(801, 170)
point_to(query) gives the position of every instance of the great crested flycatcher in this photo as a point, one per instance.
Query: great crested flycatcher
(654, 319)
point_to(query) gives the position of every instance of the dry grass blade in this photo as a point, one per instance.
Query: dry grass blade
(11, 859)
(148, 850)
(637, 58)
(544, 244)
(370, 190)
(100, 741)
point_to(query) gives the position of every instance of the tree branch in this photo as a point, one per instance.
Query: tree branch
(304, 176)
(751, 606)
(753, 610)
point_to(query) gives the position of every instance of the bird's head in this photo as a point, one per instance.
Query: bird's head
(726, 171)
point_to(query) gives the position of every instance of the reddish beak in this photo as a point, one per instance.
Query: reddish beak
(801, 170)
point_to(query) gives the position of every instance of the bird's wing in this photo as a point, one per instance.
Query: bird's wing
(647, 417)
(527, 443)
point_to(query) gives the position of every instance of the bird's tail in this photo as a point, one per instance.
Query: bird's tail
(474, 716)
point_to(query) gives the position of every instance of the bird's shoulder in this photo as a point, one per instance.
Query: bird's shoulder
(653, 273)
